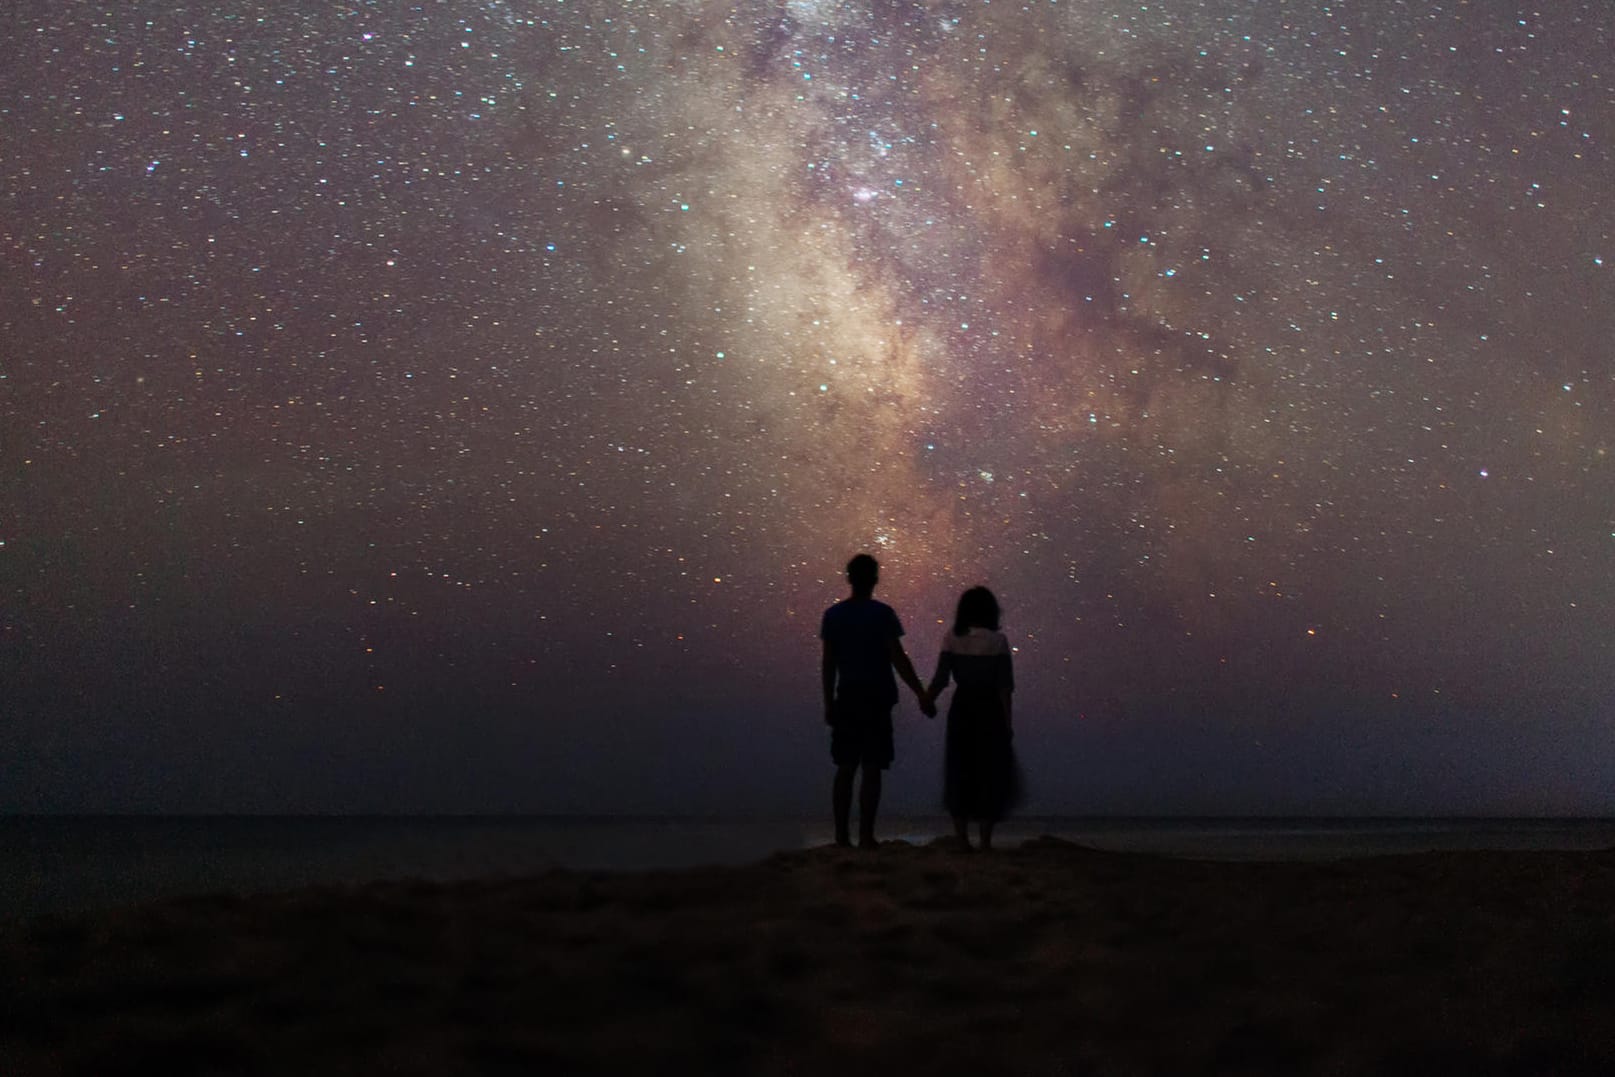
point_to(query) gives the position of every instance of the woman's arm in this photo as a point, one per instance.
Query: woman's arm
(944, 670)
(1006, 688)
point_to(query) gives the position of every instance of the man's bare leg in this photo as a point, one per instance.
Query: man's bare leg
(841, 802)
(868, 805)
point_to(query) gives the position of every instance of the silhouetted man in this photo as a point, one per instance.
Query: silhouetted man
(861, 650)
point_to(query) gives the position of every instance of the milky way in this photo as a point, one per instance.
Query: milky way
(455, 406)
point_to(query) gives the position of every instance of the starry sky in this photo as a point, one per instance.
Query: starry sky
(452, 406)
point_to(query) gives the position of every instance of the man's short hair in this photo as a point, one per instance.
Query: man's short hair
(863, 572)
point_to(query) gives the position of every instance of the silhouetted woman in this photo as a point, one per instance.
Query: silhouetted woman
(980, 780)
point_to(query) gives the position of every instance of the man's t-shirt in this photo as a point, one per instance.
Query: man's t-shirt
(860, 633)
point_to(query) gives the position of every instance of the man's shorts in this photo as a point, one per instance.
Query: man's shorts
(861, 734)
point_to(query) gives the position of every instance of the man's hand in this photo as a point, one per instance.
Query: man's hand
(829, 714)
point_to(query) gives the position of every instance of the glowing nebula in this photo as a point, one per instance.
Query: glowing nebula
(370, 366)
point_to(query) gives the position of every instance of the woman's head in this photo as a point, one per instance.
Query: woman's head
(977, 609)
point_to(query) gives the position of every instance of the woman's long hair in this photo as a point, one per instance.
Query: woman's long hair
(977, 609)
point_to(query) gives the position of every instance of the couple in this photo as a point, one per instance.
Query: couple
(861, 651)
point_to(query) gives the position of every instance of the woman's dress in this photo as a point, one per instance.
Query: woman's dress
(980, 778)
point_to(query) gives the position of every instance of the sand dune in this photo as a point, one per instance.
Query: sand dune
(1046, 959)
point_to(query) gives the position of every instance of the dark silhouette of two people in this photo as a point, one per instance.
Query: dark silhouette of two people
(863, 660)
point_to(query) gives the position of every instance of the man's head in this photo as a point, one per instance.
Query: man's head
(863, 572)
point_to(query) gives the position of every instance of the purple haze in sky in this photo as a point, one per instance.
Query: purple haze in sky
(471, 406)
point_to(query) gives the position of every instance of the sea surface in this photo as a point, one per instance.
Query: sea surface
(64, 864)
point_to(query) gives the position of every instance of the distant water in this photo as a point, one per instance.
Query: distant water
(67, 864)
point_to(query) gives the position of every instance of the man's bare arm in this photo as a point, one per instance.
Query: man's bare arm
(827, 673)
(905, 670)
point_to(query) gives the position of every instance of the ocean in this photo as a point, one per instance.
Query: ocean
(65, 864)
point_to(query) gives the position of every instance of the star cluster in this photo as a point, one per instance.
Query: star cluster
(405, 405)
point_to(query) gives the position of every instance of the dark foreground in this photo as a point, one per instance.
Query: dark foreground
(1048, 959)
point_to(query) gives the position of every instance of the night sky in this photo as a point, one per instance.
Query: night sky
(452, 406)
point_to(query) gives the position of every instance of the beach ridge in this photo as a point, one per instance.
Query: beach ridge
(1049, 957)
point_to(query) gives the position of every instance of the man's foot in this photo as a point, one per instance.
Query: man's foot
(844, 841)
(868, 842)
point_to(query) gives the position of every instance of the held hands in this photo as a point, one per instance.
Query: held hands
(927, 708)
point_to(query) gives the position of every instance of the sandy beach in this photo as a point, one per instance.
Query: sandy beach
(1044, 959)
